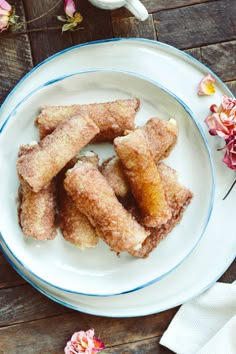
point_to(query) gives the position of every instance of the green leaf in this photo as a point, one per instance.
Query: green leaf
(68, 27)
(62, 18)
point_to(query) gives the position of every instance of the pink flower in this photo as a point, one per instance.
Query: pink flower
(69, 7)
(223, 121)
(84, 342)
(5, 13)
(72, 18)
(206, 86)
(230, 154)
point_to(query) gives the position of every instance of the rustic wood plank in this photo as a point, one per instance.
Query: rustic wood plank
(113, 331)
(232, 86)
(221, 58)
(141, 347)
(130, 27)
(96, 24)
(194, 52)
(197, 25)
(48, 42)
(153, 6)
(24, 303)
(8, 276)
(15, 58)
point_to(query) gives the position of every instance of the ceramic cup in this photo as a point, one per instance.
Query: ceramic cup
(134, 6)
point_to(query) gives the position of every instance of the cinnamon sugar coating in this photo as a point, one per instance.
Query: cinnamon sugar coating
(144, 179)
(112, 118)
(75, 226)
(95, 198)
(50, 155)
(178, 198)
(37, 211)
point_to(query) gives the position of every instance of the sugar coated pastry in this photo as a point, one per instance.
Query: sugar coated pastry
(95, 198)
(112, 118)
(112, 170)
(75, 226)
(162, 136)
(50, 155)
(144, 179)
(37, 211)
(178, 198)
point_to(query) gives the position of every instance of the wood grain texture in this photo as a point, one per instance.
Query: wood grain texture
(15, 58)
(197, 25)
(147, 346)
(46, 42)
(51, 334)
(232, 86)
(96, 24)
(24, 303)
(153, 6)
(221, 58)
(8, 276)
(130, 27)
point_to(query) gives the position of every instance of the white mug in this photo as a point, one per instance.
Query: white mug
(134, 6)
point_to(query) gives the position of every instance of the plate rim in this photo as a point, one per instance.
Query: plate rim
(156, 47)
(206, 145)
(101, 41)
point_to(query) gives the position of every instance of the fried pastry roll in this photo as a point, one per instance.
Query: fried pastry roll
(162, 136)
(112, 170)
(75, 226)
(50, 155)
(143, 176)
(37, 211)
(178, 198)
(112, 118)
(95, 198)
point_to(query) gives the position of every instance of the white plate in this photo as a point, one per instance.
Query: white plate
(98, 271)
(181, 74)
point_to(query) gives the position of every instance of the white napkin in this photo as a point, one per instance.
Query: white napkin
(206, 324)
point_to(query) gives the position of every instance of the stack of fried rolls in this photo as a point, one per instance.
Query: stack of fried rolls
(131, 201)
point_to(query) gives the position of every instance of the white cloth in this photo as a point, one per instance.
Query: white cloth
(206, 324)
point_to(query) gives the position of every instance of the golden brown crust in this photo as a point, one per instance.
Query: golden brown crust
(75, 226)
(37, 211)
(112, 118)
(178, 199)
(144, 179)
(50, 155)
(112, 170)
(162, 136)
(95, 198)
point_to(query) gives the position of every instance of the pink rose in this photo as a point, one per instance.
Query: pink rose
(230, 154)
(69, 7)
(223, 121)
(5, 12)
(220, 124)
(228, 106)
(84, 342)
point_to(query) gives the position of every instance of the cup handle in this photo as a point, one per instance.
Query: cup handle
(137, 9)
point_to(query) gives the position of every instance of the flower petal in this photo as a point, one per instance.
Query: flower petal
(206, 87)
(5, 6)
(69, 7)
(4, 23)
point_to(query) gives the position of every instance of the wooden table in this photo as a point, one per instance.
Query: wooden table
(29, 321)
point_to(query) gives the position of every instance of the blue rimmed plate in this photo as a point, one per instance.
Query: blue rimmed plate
(98, 271)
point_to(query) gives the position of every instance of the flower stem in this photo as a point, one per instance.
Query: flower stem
(42, 15)
(42, 29)
(230, 189)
